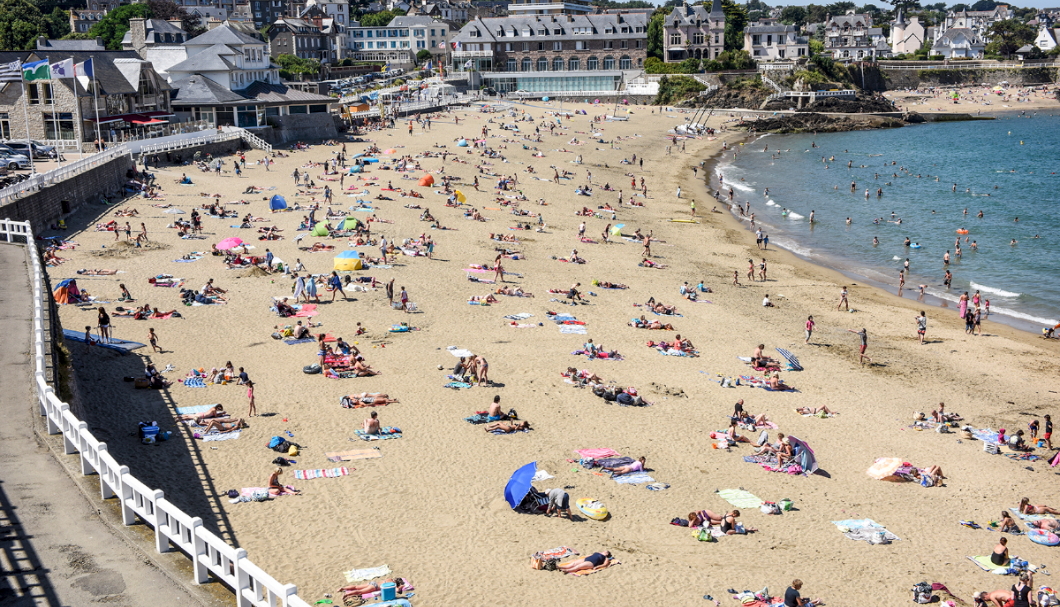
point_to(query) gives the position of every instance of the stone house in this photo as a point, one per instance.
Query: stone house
(852, 36)
(129, 96)
(690, 32)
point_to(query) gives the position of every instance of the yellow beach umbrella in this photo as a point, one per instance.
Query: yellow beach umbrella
(460, 197)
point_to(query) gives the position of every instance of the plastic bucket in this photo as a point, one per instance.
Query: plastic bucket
(786, 505)
(388, 590)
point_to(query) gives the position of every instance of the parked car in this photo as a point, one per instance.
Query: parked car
(24, 147)
(13, 160)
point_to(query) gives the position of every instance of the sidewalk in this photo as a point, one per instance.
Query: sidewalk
(56, 546)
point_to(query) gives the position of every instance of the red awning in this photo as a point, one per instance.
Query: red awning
(105, 119)
(158, 114)
(146, 120)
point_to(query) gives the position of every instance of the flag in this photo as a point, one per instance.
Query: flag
(85, 69)
(63, 69)
(428, 66)
(385, 67)
(11, 72)
(456, 45)
(441, 45)
(468, 64)
(38, 70)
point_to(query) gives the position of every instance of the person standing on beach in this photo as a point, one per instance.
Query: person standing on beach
(901, 280)
(864, 336)
(843, 300)
(735, 278)
(751, 270)
(336, 286)
(1048, 435)
(152, 338)
(921, 326)
(693, 205)
(390, 291)
(809, 328)
(647, 245)
(250, 394)
(404, 299)
(678, 191)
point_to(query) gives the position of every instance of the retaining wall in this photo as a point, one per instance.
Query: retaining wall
(54, 202)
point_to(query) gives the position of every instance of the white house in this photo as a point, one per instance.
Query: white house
(400, 40)
(774, 42)
(851, 36)
(1047, 35)
(907, 36)
(977, 21)
(959, 43)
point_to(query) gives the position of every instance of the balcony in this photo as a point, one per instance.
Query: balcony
(470, 54)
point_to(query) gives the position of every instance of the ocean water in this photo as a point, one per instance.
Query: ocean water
(1007, 168)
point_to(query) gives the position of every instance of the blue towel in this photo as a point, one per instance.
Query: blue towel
(633, 478)
(194, 410)
(456, 385)
(304, 340)
(194, 382)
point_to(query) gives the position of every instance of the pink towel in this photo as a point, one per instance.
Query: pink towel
(596, 453)
(306, 311)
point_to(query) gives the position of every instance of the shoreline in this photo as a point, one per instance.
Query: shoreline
(1021, 327)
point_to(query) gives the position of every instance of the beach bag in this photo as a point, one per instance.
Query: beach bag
(704, 535)
(543, 564)
(347, 402)
(624, 399)
(922, 593)
(770, 508)
(149, 433)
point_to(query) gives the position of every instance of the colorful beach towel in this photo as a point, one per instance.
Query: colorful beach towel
(306, 311)
(560, 552)
(219, 436)
(459, 352)
(456, 385)
(346, 456)
(360, 575)
(740, 498)
(633, 478)
(863, 530)
(572, 330)
(384, 434)
(983, 562)
(307, 475)
(596, 453)
(194, 410)
(194, 382)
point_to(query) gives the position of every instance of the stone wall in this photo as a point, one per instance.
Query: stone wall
(222, 148)
(891, 79)
(54, 202)
(302, 127)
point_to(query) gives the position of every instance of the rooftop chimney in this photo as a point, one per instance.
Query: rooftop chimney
(138, 35)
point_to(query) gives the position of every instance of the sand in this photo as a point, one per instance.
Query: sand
(432, 506)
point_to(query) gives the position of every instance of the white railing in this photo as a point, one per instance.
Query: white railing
(210, 555)
(463, 54)
(253, 140)
(190, 142)
(38, 181)
(967, 65)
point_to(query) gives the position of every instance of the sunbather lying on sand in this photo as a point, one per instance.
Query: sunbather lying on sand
(508, 427)
(637, 466)
(814, 411)
(594, 561)
(372, 398)
(368, 587)
(217, 411)
(584, 376)
(1028, 508)
(513, 292)
(224, 427)
(97, 272)
(644, 323)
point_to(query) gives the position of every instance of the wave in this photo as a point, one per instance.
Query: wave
(992, 290)
(794, 215)
(896, 258)
(770, 203)
(736, 185)
(791, 246)
(1022, 316)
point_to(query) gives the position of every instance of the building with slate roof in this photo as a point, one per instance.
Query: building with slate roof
(691, 32)
(775, 43)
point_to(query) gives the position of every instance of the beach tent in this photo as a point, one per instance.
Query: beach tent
(519, 485)
(804, 455)
(321, 229)
(427, 180)
(355, 169)
(616, 230)
(462, 143)
(351, 223)
(277, 203)
(348, 261)
(460, 196)
(66, 292)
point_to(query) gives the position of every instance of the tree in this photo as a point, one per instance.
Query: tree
(655, 34)
(793, 15)
(984, 5)
(735, 23)
(380, 19)
(292, 67)
(737, 60)
(689, 66)
(815, 13)
(840, 8)
(20, 24)
(1008, 35)
(423, 56)
(167, 9)
(113, 27)
(816, 47)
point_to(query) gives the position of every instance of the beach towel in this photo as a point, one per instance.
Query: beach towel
(984, 563)
(596, 453)
(520, 316)
(1029, 517)
(863, 530)
(541, 475)
(560, 552)
(194, 410)
(985, 434)
(456, 385)
(306, 475)
(459, 352)
(360, 575)
(194, 382)
(346, 456)
(657, 314)
(633, 478)
(304, 340)
(219, 436)
(573, 330)
(384, 434)
(306, 311)
(674, 352)
(740, 498)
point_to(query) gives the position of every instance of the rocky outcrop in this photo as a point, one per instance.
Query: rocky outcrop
(809, 122)
(862, 104)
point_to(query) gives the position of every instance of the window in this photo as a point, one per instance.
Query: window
(625, 44)
(592, 63)
(574, 64)
(34, 95)
(609, 63)
(508, 47)
(542, 64)
(557, 46)
(64, 122)
(432, 33)
(675, 39)
(625, 63)
(540, 46)
(557, 64)
(511, 66)
(769, 39)
(638, 43)
(526, 64)
(609, 44)
(579, 45)
(697, 38)
(756, 39)
(5, 126)
(715, 38)
(526, 47)
(421, 44)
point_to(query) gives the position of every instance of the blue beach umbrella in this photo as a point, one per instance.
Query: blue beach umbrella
(519, 485)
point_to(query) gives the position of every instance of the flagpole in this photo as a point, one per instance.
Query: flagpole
(25, 114)
(95, 102)
(79, 132)
(55, 124)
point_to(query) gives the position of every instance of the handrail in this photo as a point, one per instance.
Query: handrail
(38, 181)
(210, 555)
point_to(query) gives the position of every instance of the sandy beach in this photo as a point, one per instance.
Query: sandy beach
(432, 507)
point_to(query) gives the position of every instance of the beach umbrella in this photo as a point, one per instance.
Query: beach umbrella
(519, 485)
(616, 230)
(277, 203)
(544, 99)
(884, 467)
(229, 243)
(804, 455)
(321, 229)
(427, 180)
(460, 196)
